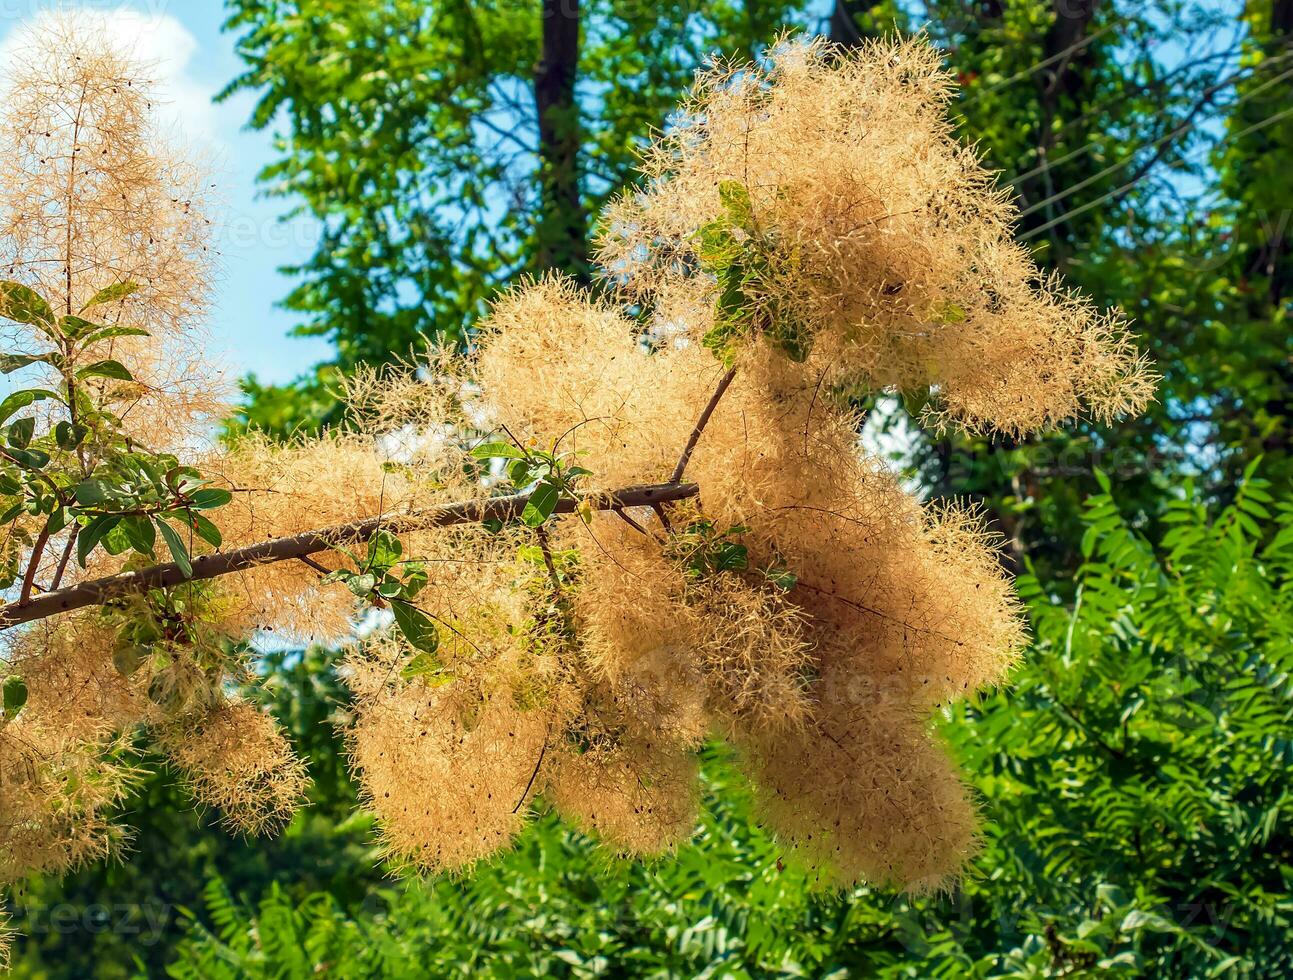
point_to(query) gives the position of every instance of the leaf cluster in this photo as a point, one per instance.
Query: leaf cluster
(82, 470)
(736, 251)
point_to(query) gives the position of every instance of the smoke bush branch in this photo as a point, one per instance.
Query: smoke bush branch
(701, 422)
(101, 590)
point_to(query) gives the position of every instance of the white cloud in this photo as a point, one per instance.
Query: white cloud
(157, 40)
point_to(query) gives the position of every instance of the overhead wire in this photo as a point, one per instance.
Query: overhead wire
(1120, 191)
(1163, 140)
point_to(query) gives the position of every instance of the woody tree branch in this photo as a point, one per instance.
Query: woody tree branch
(701, 422)
(300, 546)
(101, 590)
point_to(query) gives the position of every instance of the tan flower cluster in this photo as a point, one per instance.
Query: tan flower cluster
(234, 757)
(57, 797)
(873, 234)
(810, 231)
(852, 614)
(95, 196)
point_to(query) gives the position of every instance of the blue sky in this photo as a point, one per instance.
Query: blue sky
(194, 60)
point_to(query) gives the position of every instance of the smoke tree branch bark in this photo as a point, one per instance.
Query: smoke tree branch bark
(701, 422)
(301, 546)
(298, 546)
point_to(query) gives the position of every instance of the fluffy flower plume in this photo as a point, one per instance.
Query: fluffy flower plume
(830, 193)
(95, 196)
(809, 231)
(97, 212)
(234, 758)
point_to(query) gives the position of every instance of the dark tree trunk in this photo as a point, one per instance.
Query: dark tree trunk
(1066, 55)
(1281, 19)
(1277, 225)
(1272, 261)
(1065, 51)
(563, 225)
(844, 26)
(1060, 89)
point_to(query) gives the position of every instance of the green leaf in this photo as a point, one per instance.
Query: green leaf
(207, 531)
(384, 550)
(32, 459)
(116, 541)
(415, 579)
(416, 626)
(21, 399)
(15, 695)
(88, 493)
(732, 301)
(542, 502)
(499, 450)
(362, 585)
(209, 498)
(950, 313)
(178, 550)
(735, 198)
(90, 536)
(20, 432)
(112, 294)
(69, 436)
(782, 578)
(106, 333)
(716, 246)
(140, 533)
(518, 471)
(793, 337)
(729, 556)
(10, 363)
(127, 659)
(57, 520)
(106, 369)
(423, 665)
(531, 553)
(153, 472)
(74, 327)
(18, 302)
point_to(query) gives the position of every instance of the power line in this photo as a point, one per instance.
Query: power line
(1120, 191)
(1161, 141)
(1038, 66)
(1089, 146)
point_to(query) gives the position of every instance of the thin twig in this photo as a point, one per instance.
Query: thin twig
(701, 422)
(541, 533)
(871, 610)
(37, 550)
(534, 775)
(664, 518)
(307, 560)
(62, 562)
(450, 627)
(619, 512)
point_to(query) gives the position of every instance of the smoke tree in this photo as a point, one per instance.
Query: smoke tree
(619, 524)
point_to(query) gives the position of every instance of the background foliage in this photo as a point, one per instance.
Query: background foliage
(1134, 776)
